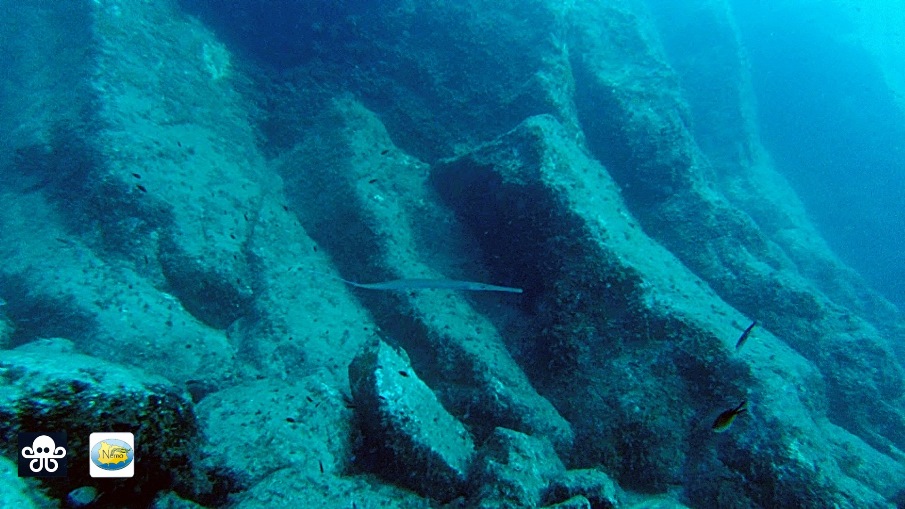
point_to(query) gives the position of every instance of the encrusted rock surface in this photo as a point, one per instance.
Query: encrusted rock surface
(513, 470)
(416, 441)
(188, 190)
(627, 325)
(48, 386)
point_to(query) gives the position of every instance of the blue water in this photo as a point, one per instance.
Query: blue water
(833, 125)
(828, 84)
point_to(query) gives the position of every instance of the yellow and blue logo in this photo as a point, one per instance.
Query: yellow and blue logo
(112, 455)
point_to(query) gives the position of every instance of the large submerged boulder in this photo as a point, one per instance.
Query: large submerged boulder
(416, 441)
(48, 386)
(641, 351)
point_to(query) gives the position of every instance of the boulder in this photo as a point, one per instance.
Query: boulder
(415, 441)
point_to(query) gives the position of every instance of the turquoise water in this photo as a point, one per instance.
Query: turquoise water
(363, 254)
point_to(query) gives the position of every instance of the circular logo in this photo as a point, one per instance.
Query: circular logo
(112, 454)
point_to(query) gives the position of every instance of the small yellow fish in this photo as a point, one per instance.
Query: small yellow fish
(724, 420)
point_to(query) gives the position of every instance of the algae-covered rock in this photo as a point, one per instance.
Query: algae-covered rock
(16, 491)
(254, 429)
(513, 470)
(593, 485)
(641, 351)
(47, 385)
(418, 443)
(287, 489)
(382, 203)
(576, 502)
(181, 198)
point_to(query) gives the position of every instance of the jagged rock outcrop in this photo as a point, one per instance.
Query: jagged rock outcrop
(589, 484)
(46, 385)
(642, 351)
(513, 470)
(186, 185)
(638, 124)
(311, 433)
(417, 442)
(358, 194)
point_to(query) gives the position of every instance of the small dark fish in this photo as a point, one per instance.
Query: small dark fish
(725, 419)
(744, 337)
(321, 464)
(403, 373)
(310, 399)
(372, 181)
(136, 175)
(384, 151)
(179, 143)
(290, 420)
(141, 188)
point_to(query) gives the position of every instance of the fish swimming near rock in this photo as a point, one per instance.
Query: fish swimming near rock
(433, 284)
(725, 419)
(404, 285)
(744, 337)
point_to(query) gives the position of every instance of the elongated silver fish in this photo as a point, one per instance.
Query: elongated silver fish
(402, 285)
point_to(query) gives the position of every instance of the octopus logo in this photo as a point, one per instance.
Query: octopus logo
(42, 454)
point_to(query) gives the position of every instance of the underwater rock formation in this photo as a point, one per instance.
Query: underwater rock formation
(186, 187)
(415, 440)
(513, 470)
(627, 320)
(49, 386)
